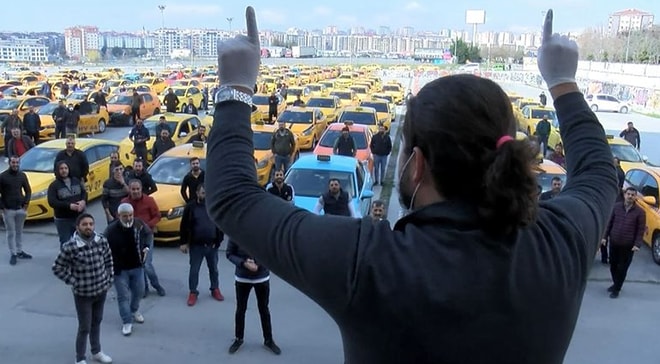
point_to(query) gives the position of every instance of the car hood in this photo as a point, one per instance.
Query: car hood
(46, 121)
(168, 196)
(306, 203)
(39, 181)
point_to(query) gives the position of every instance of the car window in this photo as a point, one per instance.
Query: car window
(314, 182)
(601, 97)
(650, 187)
(635, 177)
(185, 128)
(147, 98)
(360, 177)
(92, 154)
(194, 123)
(171, 170)
(104, 151)
(612, 98)
(37, 102)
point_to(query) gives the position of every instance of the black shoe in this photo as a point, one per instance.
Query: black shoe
(161, 291)
(611, 289)
(270, 344)
(12, 259)
(614, 294)
(24, 255)
(604, 261)
(235, 346)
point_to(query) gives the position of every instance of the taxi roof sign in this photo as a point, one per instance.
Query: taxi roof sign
(198, 144)
(323, 158)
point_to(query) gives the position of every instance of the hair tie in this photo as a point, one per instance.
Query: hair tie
(502, 140)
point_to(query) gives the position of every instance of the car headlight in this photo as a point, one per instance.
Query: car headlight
(39, 194)
(175, 212)
(308, 131)
(262, 163)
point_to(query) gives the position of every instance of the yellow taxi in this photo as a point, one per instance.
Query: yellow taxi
(38, 162)
(270, 82)
(261, 101)
(531, 115)
(383, 96)
(184, 93)
(157, 84)
(346, 96)
(345, 80)
(329, 106)
(93, 119)
(318, 90)
(627, 154)
(395, 90)
(646, 180)
(255, 117)
(521, 103)
(546, 171)
(209, 81)
(14, 91)
(183, 127)
(384, 111)
(293, 92)
(360, 115)
(117, 84)
(22, 104)
(362, 91)
(119, 107)
(514, 97)
(307, 77)
(78, 97)
(307, 123)
(329, 84)
(185, 83)
(264, 158)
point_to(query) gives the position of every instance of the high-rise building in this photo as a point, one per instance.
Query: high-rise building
(629, 20)
(82, 42)
(23, 50)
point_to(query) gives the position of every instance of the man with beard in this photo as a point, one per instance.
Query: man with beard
(162, 144)
(378, 211)
(75, 158)
(138, 172)
(554, 191)
(85, 263)
(139, 135)
(345, 144)
(200, 136)
(67, 197)
(15, 196)
(171, 101)
(336, 201)
(381, 147)
(115, 189)
(193, 179)
(282, 145)
(281, 189)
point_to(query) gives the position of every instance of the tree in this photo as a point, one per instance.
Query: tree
(117, 52)
(465, 52)
(641, 46)
(279, 43)
(104, 51)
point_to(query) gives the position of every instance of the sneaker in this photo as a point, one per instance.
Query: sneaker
(217, 295)
(611, 289)
(192, 299)
(614, 294)
(127, 329)
(270, 344)
(13, 259)
(137, 317)
(235, 346)
(161, 291)
(82, 362)
(102, 358)
(24, 255)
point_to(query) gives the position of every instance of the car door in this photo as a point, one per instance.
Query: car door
(615, 104)
(320, 122)
(649, 188)
(87, 123)
(146, 108)
(363, 204)
(182, 132)
(94, 185)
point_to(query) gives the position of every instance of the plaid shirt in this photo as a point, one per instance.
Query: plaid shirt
(85, 265)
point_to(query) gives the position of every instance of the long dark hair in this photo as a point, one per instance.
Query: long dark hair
(457, 121)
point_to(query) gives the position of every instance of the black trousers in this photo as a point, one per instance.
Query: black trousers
(34, 136)
(620, 259)
(90, 315)
(262, 291)
(60, 131)
(272, 113)
(135, 114)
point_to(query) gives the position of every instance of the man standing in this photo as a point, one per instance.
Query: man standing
(200, 136)
(32, 124)
(162, 125)
(557, 155)
(554, 191)
(621, 176)
(201, 238)
(128, 239)
(336, 201)
(381, 147)
(12, 121)
(85, 263)
(115, 189)
(632, 135)
(298, 101)
(543, 99)
(543, 128)
(345, 144)
(99, 99)
(136, 102)
(281, 189)
(138, 172)
(139, 136)
(193, 179)
(249, 274)
(74, 158)
(71, 120)
(19, 143)
(58, 117)
(190, 108)
(146, 209)
(171, 101)
(162, 144)
(273, 103)
(15, 195)
(68, 199)
(625, 232)
(282, 145)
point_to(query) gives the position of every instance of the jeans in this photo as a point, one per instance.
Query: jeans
(90, 315)
(197, 254)
(65, 229)
(141, 153)
(59, 131)
(262, 290)
(14, 221)
(129, 285)
(72, 131)
(282, 161)
(149, 270)
(380, 164)
(620, 259)
(543, 143)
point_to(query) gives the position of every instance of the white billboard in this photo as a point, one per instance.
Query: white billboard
(475, 16)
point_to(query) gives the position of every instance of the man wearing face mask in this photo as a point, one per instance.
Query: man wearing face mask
(345, 144)
(281, 189)
(71, 120)
(336, 201)
(128, 238)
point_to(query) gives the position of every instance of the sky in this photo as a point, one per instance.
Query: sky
(431, 15)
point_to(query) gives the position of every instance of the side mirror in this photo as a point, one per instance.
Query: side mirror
(182, 134)
(650, 200)
(645, 158)
(367, 194)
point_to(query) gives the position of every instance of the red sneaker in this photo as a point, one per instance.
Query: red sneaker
(217, 295)
(192, 299)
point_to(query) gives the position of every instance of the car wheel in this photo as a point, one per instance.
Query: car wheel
(655, 248)
(594, 108)
(102, 126)
(314, 141)
(156, 111)
(624, 110)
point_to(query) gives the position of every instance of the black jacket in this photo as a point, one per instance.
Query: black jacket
(58, 115)
(161, 146)
(190, 109)
(238, 256)
(77, 162)
(189, 185)
(15, 190)
(71, 119)
(60, 197)
(189, 223)
(381, 144)
(436, 288)
(171, 101)
(148, 184)
(32, 123)
(127, 253)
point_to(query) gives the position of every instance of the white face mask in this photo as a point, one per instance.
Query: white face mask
(70, 109)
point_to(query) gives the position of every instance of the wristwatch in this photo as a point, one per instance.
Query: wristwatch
(226, 93)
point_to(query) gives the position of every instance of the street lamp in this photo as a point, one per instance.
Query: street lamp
(162, 32)
(229, 20)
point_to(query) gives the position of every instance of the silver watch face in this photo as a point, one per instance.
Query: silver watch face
(224, 93)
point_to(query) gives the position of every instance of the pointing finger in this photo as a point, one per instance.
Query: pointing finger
(251, 22)
(547, 26)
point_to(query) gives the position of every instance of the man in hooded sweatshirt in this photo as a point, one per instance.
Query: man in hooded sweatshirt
(68, 199)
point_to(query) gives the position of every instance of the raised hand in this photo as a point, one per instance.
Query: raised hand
(557, 57)
(239, 57)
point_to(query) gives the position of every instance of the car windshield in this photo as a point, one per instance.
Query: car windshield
(294, 91)
(120, 100)
(77, 96)
(391, 88)
(113, 83)
(47, 110)
(315, 87)
(329, 103)
(545, 180)
(179, 91)
(330, 136)
(209, 79)
(626, 153)
(346, 77)
(151, 126)
(363, 118)
(359, 90)
(379, 106)
(171, 170)
(9, 104)
(342, 95)
(260, 100)
(314, 182)
(261, 140)
(39, 160)
(540, 113)
(328, 84)
(297, 117)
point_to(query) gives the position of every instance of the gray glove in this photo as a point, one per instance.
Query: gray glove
(557, 57)
(239, 58)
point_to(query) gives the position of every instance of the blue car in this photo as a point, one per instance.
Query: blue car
(310, 176)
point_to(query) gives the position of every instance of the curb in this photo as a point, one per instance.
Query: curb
(386, 191)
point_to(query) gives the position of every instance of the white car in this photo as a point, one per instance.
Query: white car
(602, 102)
